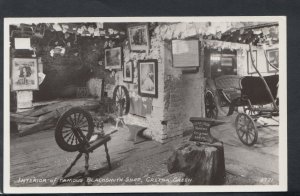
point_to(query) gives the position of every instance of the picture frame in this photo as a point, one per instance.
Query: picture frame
(113, 58)
(250, 69)
(24, 74)
(273, 57)
(186, 53)
(138, 36)
(147, 78)
(128, 71)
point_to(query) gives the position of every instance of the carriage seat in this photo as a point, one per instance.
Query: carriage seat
(254, 89)
(229, 86)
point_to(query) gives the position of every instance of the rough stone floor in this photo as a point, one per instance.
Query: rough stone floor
(37, 157)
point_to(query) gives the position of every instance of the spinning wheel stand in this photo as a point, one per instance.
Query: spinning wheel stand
(121, 104)
(73, 132)
(75, 128)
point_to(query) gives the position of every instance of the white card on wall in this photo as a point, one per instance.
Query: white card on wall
(22, 43)
(185, 53)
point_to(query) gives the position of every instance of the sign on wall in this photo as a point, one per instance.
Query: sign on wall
(24, 74)
(185, 53)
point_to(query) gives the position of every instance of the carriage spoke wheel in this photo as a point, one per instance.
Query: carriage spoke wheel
(246, 129)
(121, 100)
(73, 128)
(211, 109)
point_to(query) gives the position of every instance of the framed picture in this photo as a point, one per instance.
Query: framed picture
(24, 74)
(273, 57)
(147, 78)
(113, 58)
(185, 53)
(139, 38)
(128, 72)
(251, 69)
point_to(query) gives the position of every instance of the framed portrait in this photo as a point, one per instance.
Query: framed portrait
(273, 57)
(147, 78)
(113, 58)
(24, 74)
(251, 69)
(139, 38)
(128, 72)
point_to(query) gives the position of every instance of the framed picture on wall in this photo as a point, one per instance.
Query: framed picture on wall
(113, 58)
(185, 53)
(139, 38)
(273, 57)
(251, 69)
(24, 74)
(147, 78)
(128, 72)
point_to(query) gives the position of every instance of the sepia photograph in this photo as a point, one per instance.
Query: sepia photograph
(113, 58)
(128, 72)
(147, 75)
(118, 109)
(138, 38)
(273, 56)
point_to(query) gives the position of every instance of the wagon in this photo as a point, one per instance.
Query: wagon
(257, 95)
(257, 102)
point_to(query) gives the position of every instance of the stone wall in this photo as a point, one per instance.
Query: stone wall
(184, 94)
(154, 121)
(180, 96)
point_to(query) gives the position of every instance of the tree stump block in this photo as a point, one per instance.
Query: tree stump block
(202, 162)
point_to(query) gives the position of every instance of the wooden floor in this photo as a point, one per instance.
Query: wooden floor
(38, 157)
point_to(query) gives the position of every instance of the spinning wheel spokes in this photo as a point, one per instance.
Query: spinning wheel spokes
(73, 128)
(246, 129)
(121, 100)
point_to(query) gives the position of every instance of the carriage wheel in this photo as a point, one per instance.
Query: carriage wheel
(246, 129)
(74, 125)
(211, 110)
(121, 100)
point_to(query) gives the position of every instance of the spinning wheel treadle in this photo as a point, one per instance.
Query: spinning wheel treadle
(74, 128)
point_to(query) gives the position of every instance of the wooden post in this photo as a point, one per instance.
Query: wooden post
(107, 155)
(86, 171)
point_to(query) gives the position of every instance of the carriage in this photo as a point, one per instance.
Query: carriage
(256, 95)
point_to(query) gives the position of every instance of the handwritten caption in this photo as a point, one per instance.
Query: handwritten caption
(144, 180)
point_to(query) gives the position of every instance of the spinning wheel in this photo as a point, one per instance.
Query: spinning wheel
(74, 129)
(73, 132)
(121, 100)
(246, 129)
(211, 110)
